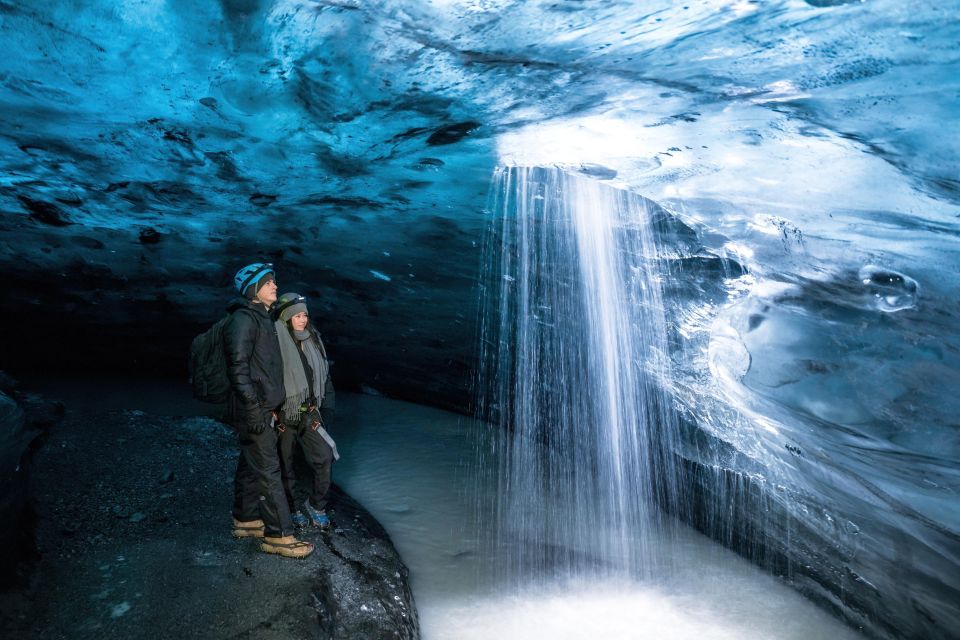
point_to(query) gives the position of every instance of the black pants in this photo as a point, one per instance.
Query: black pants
(258, 484)
(319, 457)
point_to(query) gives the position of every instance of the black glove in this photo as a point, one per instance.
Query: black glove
(256, 421)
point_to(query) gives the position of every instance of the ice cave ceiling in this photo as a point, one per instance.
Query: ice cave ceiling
(149, 148)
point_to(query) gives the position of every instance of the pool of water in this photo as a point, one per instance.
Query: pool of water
(419, 473)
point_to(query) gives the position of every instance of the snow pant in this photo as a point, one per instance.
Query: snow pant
(319, 457)
(258, 484)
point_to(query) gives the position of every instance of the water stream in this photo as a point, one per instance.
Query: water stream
(574, 340)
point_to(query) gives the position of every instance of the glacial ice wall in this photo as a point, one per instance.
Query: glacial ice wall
(149, 147)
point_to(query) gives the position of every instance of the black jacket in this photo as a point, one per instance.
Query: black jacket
(254, 364)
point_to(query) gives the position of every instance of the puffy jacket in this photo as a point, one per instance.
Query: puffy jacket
(254, 364)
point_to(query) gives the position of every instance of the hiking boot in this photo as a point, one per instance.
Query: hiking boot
(299, 520)
(248, 529)
(317, 517)
(286, 546)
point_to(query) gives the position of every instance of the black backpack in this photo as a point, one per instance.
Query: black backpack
(208, 364)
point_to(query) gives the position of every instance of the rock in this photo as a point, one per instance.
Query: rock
(8, 384)
(96, 526)
(363, 589)
(40, 412)
(15, 455)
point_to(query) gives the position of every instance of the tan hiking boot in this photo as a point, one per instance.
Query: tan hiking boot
(249, 529)
(287, 546)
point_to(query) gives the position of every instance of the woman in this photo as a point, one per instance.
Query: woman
(306, 410)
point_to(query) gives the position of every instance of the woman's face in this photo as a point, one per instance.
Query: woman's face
(299, 321)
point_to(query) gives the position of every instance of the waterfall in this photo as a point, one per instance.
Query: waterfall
(574, 343)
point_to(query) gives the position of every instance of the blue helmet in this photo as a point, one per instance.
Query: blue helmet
(250, 275)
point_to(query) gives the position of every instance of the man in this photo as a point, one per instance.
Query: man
(255, 371)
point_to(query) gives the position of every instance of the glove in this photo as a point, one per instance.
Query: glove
(256, 422)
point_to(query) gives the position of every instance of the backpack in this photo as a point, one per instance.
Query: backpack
(208, 364)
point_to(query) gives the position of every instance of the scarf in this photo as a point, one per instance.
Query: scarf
(295, 383)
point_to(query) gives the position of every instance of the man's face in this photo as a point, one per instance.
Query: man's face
(267, 294)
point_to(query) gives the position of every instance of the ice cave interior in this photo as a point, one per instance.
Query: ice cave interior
(796, 163)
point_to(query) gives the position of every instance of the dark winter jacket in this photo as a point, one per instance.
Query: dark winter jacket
(254, 364)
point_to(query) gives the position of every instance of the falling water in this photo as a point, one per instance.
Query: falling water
(574, 342)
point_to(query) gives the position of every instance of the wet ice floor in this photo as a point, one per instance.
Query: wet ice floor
(414, 468)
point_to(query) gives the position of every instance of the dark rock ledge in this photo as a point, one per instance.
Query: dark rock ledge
(132, 532)
(24, 420)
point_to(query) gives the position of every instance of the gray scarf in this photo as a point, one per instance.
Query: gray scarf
(294, 376)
